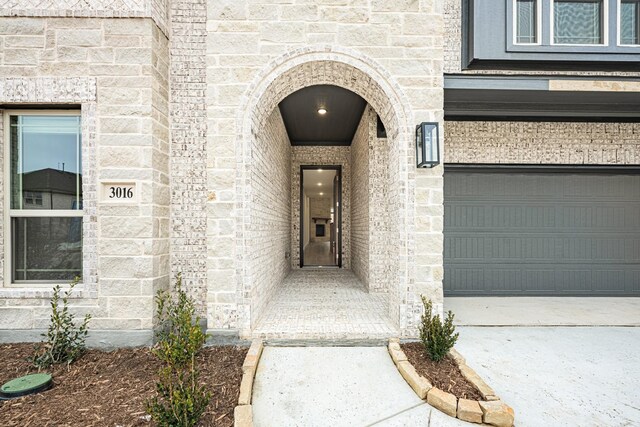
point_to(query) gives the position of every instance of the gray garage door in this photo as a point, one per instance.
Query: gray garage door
(541, 233)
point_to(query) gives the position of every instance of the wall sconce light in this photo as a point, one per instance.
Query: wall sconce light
(427, 146)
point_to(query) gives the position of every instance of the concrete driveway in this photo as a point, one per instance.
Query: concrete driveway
(560, 376)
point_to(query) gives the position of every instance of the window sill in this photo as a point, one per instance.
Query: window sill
(43, 292)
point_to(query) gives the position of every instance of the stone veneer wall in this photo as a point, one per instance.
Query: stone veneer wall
(542, 142)
(270, 227)
(360, 195)
(160, 138)
(154, 9)
(337, 156)
(124, 128)
(190, 181)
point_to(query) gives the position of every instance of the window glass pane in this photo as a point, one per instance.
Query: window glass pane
(630, 22)
(46, 168)
(526, 21)
(577, 22)
(46, 248)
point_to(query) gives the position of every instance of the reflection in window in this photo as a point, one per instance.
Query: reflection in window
(45, 197)
(577, 22)
(45, 158)
(526, 21)
(630, 22)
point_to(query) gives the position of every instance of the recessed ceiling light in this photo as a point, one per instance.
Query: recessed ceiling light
(322, 111)
(322, 194)
(319, 170)
(319, 183)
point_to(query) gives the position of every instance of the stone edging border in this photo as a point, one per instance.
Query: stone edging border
(490, 411)
(243, 413)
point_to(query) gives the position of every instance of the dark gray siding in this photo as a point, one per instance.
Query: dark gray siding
(527, 233)
(490, 37)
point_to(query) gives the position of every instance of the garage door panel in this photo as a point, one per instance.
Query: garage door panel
(544, 247)
(632, 281)
(542, 233)
(539, 280)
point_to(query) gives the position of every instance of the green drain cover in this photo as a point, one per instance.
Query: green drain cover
(28, 384)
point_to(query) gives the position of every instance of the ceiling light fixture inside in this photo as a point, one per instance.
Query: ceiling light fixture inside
(319, 183)
(322, 111)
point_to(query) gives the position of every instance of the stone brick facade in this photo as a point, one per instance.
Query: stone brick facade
(181, 97)
(184, 119)
(568, 143)
(116, 72)
(155, 9)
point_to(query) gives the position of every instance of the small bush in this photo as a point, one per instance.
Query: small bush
(437, 338)
(180, 400)
(64, 340)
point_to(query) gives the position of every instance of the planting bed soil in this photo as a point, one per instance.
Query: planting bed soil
(444, 374)
(111, 388)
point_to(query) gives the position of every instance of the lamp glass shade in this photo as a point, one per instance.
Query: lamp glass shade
(427, 147)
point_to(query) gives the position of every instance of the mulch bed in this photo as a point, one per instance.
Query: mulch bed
(110, 388)
(444, 374)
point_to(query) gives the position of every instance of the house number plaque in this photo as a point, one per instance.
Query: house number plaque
(121, 192)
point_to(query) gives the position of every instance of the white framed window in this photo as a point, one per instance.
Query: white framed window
(527, 22)
(579, 22)
(43, 197)
(629, 22)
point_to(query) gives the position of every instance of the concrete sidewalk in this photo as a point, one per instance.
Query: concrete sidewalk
(551, 376)
(337, 386)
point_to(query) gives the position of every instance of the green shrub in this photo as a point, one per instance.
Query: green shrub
(437, 338)
(64, 340)
(180, 400)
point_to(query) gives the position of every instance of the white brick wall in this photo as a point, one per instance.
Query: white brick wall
(543, 143)
(270, 226)
(360, 190)
(193, 234)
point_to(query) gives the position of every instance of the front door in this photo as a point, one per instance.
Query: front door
(320, 216)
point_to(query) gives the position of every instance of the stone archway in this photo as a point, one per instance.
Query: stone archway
(363, 76)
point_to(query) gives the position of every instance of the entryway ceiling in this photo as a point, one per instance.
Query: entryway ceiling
(306, 126)
(314, 177)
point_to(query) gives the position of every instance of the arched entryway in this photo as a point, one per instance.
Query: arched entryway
(267, 181)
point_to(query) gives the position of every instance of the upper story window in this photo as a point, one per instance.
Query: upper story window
(43, 187)
(580, 22)
(585, 34)
(527, 19)
(629, 22)
(575, 22)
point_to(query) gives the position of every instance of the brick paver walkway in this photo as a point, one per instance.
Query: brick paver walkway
(325, 304)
